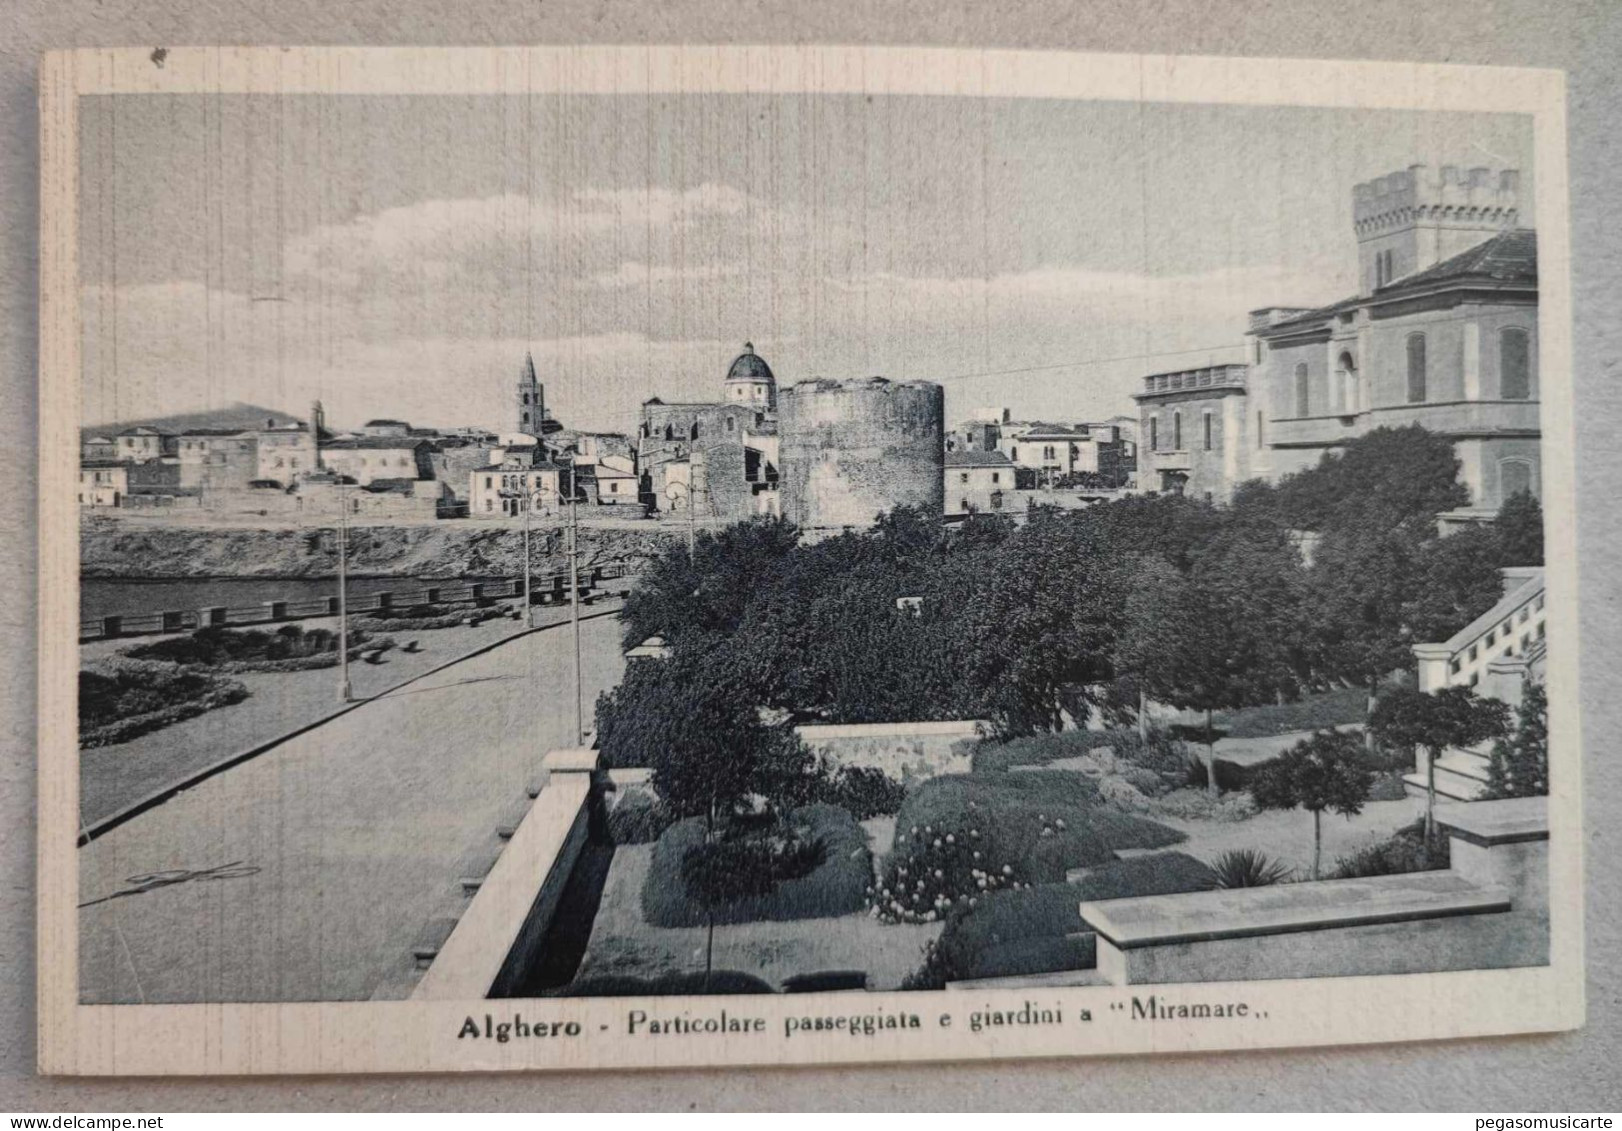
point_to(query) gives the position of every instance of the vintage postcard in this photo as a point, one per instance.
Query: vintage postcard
(636, 557)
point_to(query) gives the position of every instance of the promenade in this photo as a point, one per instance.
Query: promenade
(309, 870)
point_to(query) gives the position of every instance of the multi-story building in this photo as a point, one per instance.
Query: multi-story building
(980, 483)
(506, 489)
(367, 459)
(1194, 432)
(1443, 334)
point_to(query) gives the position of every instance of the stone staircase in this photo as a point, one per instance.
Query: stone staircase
(1461, 775)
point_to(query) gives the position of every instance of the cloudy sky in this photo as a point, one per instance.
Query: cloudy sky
(397, 256)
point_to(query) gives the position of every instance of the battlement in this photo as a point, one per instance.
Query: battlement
(1421, 194)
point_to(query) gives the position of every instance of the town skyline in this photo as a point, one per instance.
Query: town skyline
(398, 257)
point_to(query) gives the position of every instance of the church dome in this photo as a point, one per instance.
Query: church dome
(750, 366)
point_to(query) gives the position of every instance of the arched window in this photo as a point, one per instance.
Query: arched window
(1514, 477)
(644, 430)
(669, 433)
(695, 430)
(1349, 399)
(1176, 431)
(1515, 365)
(1416, 368)
(1205, 424)
(1303, 391)
(1154, 436)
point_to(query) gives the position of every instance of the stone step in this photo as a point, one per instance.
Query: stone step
(1466, 764)
(1453, 787)
(431, 939)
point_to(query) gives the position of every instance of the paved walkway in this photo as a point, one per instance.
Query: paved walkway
(1287, 836)
(338, 845)
(111, 778)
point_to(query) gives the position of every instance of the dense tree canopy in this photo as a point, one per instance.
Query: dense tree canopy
(1036, 626)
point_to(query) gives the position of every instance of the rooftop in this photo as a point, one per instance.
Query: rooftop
(373, 443)
(750, 366)
(977, 459)
(1509, 257)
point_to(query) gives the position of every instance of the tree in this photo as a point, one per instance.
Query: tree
(1329, 770)
(1520, 762)
(1520, 530)
(722, 871)
(1450, 716)
(702, 738)
(1192, 645)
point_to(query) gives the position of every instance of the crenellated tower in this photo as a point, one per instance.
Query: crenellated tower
(1415, 218)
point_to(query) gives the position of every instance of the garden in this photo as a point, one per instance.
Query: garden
(1175, 700)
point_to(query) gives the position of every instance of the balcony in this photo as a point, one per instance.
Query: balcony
(1179, 460)
(1313, 431)
(1448, 418)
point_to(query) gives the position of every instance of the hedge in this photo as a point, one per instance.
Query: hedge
(1036, 750)
(836, 886)
(288, 649)
(123, 699)
(963, 837)
(1343, 706)
(1039, 929)
(426, 618)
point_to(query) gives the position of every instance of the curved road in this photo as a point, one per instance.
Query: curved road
(306, 873)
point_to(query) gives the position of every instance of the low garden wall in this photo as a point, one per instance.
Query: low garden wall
(904, 751)
(1488, 910)
(499, 935)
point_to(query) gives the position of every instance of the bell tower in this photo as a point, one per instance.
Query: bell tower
(531, 400)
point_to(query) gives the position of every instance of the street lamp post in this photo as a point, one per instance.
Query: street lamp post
(345, 691)
(574, 607)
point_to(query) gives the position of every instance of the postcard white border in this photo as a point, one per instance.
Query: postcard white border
(417, 1036)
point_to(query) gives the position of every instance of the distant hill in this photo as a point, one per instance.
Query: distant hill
(235, 416)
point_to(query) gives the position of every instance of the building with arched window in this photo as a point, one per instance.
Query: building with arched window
(1443, 334)
(724, 452)
(1198, 432)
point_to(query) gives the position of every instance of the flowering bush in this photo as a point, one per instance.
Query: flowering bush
(962, 837)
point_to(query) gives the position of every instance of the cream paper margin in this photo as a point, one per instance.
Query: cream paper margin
(412, 1036)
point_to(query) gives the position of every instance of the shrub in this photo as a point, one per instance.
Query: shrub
(1198, 805)
(961, 837)
(639, 817)
(123, 699)
(834, 882)
(1389, 787)
(1248, 868)
(289, 648)
(1402, 852)
(1231, 777)
(422, 618)
(1039, 929)
(668, 984)
(862, 791)
(1036, 749)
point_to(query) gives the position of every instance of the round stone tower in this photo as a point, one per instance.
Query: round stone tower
(750, 381)
(851, 450)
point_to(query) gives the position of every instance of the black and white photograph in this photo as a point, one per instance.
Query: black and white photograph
(742, 569)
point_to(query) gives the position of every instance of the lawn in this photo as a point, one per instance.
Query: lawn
(624, 943)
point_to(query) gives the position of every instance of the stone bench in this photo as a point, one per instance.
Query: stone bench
(1501, 843)
(1378, 925)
